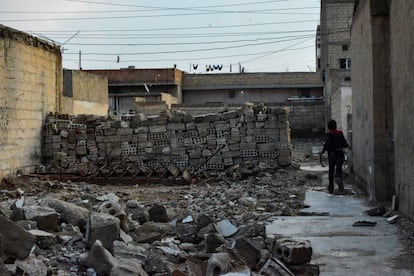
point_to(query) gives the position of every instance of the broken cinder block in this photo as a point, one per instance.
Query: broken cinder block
(293, 251)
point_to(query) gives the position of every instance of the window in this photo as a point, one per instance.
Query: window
(345, 63)
(345, 47)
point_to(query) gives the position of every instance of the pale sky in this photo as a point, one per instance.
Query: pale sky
(260, 35)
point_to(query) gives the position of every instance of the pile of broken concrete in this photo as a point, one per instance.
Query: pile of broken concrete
(108, 235)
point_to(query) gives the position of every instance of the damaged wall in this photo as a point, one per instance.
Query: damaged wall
(83, 144)
(30, 85)
(306, 118)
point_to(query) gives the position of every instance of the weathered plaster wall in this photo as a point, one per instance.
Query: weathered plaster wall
(373, 152)
(30, 86)
(89, 93)
(402, 61)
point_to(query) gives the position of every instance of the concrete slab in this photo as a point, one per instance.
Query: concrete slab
(340, 248)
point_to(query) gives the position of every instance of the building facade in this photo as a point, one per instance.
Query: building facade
(251, 87)
(334, 55)
(125, 84)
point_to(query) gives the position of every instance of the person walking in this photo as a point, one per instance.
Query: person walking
(335, 143)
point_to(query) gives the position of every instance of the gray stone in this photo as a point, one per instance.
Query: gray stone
(158, 213)
(218, 264)
(102, 227)
(100, 259)
(46, 218)
(203, 220)
(69, 213)
(294, 252)
(249, 252)
(44, 240)
(186, 232)
(146, 237)
(138, 214)
(32, 266)
(154, 264)
(17, 241)
(130, 251)
(213, 241)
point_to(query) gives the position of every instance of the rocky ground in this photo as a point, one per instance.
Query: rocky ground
(213, 226)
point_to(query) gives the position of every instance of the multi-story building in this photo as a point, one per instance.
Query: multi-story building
(333, 51)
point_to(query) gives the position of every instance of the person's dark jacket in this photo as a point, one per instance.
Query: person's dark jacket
(334, 141)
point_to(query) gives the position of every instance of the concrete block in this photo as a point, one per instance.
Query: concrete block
(176, 126)
(293, 251)
(157, 128)
(266, 147)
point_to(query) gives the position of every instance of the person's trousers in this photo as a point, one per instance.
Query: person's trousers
(336, 160)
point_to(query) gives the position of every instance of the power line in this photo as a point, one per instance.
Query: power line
(183, 43)
(154, 9)
(186, 51)
(182, 28)
(267, 11)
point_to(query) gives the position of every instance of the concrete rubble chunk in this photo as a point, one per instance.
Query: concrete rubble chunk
(102, 227)
(293, 251)
(44, 240)
(46, 218)
(305, 269)
(100, 259)
(249, 252)
(218, 263)
(113, 208)
(108, 197)
(31, 266)
(130, 251)
(158, 213)
(154, 264)
(17, 242)
(244, 272)
(213, 241)
(226, 228)
(275, 267)
(186, 232)
(69, 212)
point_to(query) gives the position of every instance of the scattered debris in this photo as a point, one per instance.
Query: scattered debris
(378, 211)
(393, 219)
(364, 223)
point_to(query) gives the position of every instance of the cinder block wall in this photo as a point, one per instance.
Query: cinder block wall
(30, 83)
(306, 119)
(211, 142)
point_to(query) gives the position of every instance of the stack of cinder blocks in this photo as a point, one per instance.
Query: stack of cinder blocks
(212, 142)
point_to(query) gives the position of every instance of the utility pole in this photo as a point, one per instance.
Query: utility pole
(80, 60)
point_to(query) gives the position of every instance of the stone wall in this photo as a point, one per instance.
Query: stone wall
(306, 119)
(30, 85)
(256, 135)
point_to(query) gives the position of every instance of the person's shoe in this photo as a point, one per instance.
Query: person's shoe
(341, 187)
(330, 189)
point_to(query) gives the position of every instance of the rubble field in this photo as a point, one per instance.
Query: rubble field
(214, 226)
